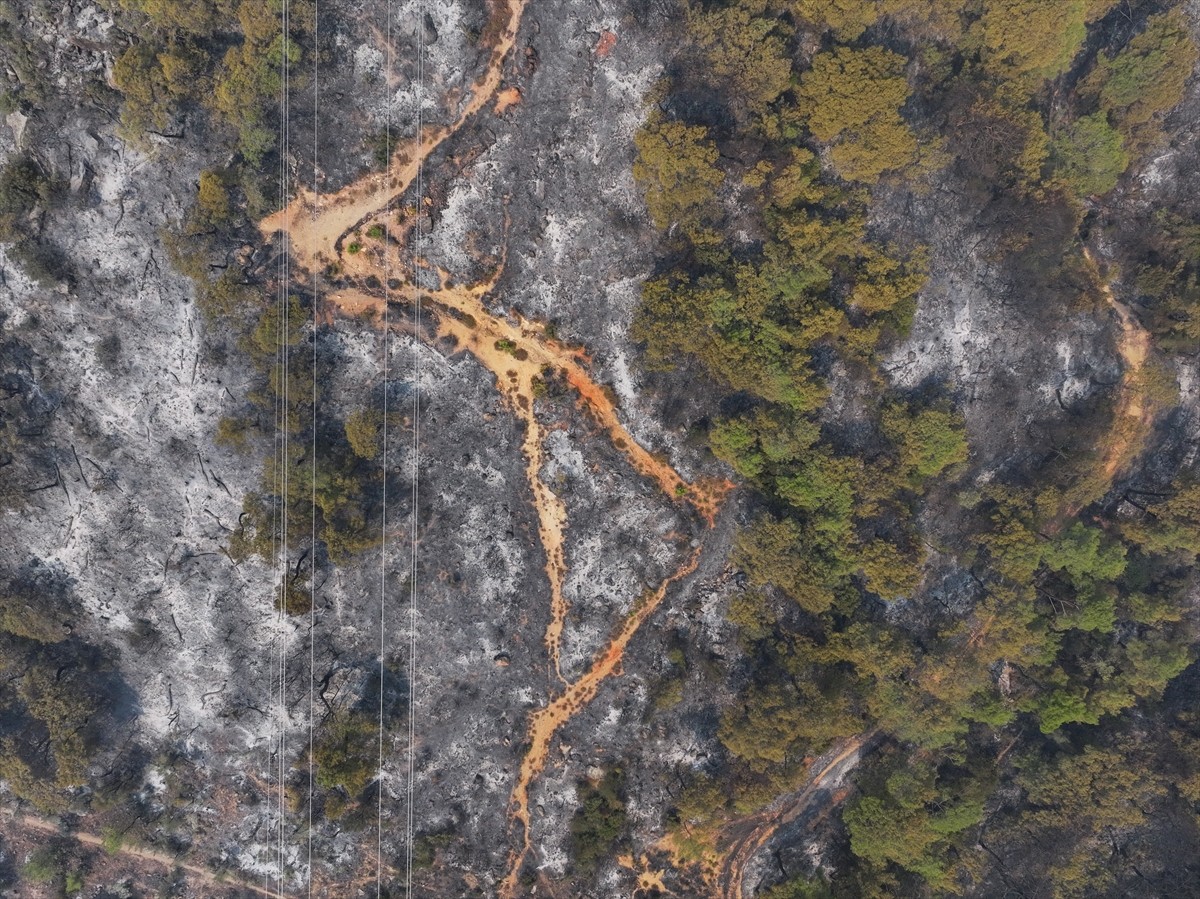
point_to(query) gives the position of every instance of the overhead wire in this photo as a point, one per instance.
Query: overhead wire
(416, 463)
(387, 175)
(312, 595)
(284, 336)
(276, 482)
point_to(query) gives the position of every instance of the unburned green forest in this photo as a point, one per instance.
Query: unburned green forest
(1015, 618)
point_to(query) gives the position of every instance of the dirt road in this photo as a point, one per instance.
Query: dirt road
(219, 882)
(1134, 414)
(745, 837)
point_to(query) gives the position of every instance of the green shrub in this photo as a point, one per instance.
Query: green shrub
(364, 430)
(112, 840)
(233, 433)
(1032, 39)
(676, 168)
(381, 147)
(346, 754)
(426, 847)
(668, 693)
(600, 822)
(1089, 155)
(44, 865)
(22, 187)
(212, 198)
(294, 598)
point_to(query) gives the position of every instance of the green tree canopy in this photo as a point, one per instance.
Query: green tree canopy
(676, 167)
(364, 430)
(745, 53)
(929, 440)
(600, 821)
(1086, 556)
(851, 99)
(781, 552)
(1171, 526)
(1147, 77)
(847, 19)
(1089, 155)
(1034, 39)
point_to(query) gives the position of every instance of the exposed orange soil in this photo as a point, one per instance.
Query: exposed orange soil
(649, 880)
(519, 354)
(766, 823)
(316, 223)
(1133, 416)
(651, 883)
(1137, 402)
(546, 721)
(530, 352)
(605, 45)
(507, 98)
(514, 379)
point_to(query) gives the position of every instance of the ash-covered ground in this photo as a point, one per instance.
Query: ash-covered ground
(130, 503)
(129, 383)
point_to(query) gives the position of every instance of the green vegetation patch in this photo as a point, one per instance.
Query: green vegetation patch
(1061, 615)
(600, 824)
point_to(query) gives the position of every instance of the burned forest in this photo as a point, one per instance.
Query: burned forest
(513, 448)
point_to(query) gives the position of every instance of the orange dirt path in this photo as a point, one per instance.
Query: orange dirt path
(519, 354)
(317, 222)
(316, 225)
(529, 352)
(546, 721)
(1133, 416)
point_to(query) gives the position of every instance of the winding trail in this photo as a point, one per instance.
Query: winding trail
(316, 222)
(1134, 415)
(221, 882)
(520, 355)
(546, 721)
(317, 225)
(746, 836)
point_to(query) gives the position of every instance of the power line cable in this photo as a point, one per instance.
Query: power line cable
(285, 337)
(279, 465)
(312, 596)
(416, 464)
(387, 142)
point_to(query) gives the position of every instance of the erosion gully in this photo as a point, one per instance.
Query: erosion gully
(518, 352)
(1134, 414)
